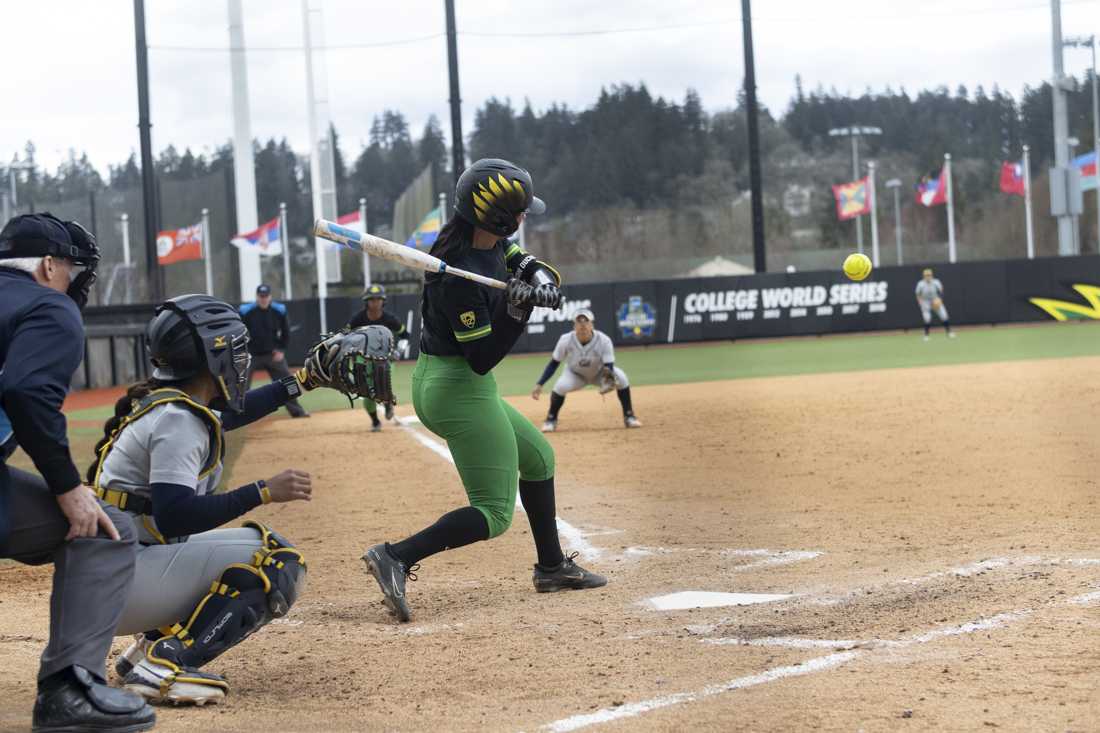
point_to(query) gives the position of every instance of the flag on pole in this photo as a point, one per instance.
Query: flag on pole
(348, 219)
(932, 189)
(1012, 178)
(1086, 164)
(852, 199)
(424, 236)
(266, 240)
(179, 245)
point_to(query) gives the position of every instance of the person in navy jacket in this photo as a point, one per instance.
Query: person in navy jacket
(269, 334)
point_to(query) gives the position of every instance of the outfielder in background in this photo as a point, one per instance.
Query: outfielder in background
(589, 358)
(373, 313)
(930, 299)
(269, 334)
(468, 328)
(200, 590)
(51, 516)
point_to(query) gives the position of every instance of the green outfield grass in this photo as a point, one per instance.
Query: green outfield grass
(778, 357)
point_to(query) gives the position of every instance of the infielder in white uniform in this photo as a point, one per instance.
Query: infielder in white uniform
(930, 299)
(589, 358)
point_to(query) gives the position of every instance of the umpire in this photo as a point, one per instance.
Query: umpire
(53, 516)
(268, 334)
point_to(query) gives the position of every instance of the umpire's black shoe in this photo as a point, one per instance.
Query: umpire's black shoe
(73, 701)
(566, 576)
(390, 574)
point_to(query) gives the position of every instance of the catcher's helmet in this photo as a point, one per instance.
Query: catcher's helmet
(38, 235)
(375, 291)
(492, 192)
(191, 332)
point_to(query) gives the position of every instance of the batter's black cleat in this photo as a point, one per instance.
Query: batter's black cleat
(73, 700)
(566, 576)
(390, 574)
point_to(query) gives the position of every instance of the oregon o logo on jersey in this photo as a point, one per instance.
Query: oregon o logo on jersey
(637, 319)
(468, 319)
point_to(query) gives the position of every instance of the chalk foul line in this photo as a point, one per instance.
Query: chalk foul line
(573, 537)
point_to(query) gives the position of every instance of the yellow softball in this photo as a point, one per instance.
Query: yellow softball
(857, 266)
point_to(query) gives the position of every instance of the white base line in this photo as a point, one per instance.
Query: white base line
(573, 537)
(606, 715)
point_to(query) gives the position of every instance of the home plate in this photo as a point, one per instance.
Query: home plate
(707, 599)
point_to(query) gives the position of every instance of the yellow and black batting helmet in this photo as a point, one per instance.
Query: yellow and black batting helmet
(375, 291)
(492, 192)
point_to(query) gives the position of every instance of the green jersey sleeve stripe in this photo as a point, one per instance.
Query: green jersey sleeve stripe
(473, 335)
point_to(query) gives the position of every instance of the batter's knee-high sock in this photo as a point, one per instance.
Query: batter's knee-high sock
(538, 502)
(556, 401)
(624, 400)
(454, 529)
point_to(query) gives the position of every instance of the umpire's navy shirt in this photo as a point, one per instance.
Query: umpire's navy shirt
(41, 345)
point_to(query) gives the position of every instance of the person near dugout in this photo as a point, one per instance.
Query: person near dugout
(269, 334)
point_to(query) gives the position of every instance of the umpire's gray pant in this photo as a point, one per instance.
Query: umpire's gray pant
(277, 369)
(91, 578)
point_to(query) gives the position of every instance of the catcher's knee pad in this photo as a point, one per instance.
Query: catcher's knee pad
(243, 599)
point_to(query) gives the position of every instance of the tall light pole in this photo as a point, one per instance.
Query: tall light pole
(16, 165)
(1090, 42)
(759, 253)
(855, 132)
(895, 185)
(1060, 207)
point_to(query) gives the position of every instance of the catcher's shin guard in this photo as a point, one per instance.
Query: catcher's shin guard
(243, 599)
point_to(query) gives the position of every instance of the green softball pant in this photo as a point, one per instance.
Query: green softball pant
(492, 444)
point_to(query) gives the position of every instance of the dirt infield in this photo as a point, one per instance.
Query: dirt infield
(931, 533)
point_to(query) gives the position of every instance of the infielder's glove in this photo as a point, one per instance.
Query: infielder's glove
(356, 363)
(605, 380)
(937, 303)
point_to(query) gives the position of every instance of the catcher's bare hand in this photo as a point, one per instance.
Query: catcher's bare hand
(536, 392)
(290, 485)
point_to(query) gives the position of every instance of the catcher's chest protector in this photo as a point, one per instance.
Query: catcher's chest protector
(142, 407)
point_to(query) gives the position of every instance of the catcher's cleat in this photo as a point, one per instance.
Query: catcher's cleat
(549, 426)
(389, 411)
(566, 576)
(158, 683)
(133, 654)
(632, 422)
(390, 574)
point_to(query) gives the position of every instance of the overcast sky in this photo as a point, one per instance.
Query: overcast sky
(69, 79)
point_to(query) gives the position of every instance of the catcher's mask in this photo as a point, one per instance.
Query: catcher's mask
(193, 332)
(492, 192)
(38, 235)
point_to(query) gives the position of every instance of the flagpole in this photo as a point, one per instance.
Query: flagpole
(284, 242)
(206, 255)
(366, 255)
(1027, 204)
(950, 209)
(874, 214)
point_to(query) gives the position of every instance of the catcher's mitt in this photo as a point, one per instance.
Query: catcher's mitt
(605, 380)
(937, 303)
(356, 363)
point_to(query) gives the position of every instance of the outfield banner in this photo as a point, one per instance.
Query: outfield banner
(752, 306)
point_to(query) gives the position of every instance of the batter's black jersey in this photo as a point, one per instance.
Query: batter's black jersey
(387, 319)
(458, 311)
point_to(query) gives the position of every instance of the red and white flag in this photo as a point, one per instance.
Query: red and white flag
(1012, 178)
(179, 245)
(932, 189)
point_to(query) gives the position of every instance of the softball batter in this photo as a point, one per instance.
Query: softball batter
(589, 358)
(930, 299)
(198, 590)
(468, 328)
(373, 313)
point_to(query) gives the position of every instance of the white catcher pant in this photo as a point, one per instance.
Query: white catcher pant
(570, 381)
(926, 312)
(170, 580)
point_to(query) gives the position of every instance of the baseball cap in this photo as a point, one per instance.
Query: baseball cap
(263, 290)
(584, 312)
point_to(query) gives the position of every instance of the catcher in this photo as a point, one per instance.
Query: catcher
(589, 358)
(373, 313)
(930, 299)
(198, 589)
